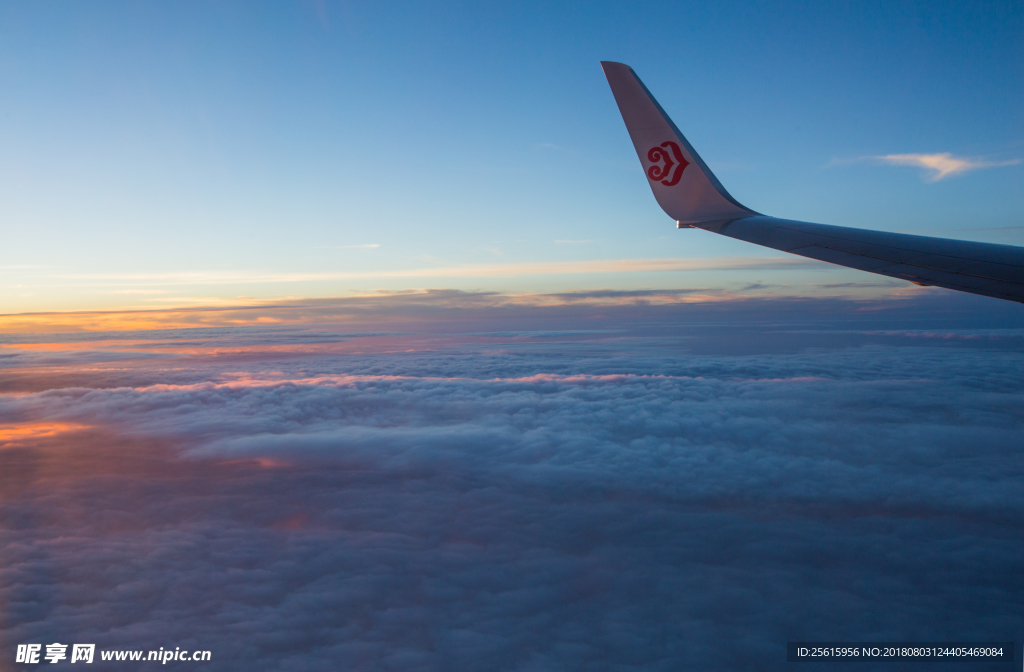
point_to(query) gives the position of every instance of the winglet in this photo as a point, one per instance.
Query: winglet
(682, 183)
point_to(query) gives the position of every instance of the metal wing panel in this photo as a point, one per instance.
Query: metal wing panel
(930, 276)
(979, 268)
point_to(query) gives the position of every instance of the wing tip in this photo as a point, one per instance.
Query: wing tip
(641, 112)
(614, 65)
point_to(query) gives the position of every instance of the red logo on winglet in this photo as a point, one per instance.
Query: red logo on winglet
(671, 170)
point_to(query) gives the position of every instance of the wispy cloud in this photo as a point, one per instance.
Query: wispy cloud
(469, 270)
(941, 166)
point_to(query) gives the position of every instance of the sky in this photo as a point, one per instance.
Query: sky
(205, 152)
(342, 335)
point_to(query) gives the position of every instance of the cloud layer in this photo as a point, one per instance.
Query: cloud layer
(545, 500)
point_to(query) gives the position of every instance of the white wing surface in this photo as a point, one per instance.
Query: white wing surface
(690, 193)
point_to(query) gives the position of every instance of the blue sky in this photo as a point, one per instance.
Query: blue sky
(160, 156)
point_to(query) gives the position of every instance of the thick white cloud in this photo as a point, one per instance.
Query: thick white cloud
(615, 505)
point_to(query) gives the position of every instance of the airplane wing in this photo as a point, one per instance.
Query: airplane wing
(690, 193)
